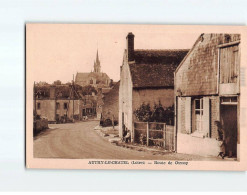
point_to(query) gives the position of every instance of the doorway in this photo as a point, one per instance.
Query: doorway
(229, 120)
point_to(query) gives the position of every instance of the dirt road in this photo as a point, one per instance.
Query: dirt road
(80, 141)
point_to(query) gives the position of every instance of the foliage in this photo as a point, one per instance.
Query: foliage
(87, 90)
(156, 114)
(144, 113)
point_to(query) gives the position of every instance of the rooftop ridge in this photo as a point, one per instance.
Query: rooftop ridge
(161, 49)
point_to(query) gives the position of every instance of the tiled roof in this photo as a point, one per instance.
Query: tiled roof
(155, 68)
(85, 76)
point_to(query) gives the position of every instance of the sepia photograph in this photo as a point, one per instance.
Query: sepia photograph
(133, 97)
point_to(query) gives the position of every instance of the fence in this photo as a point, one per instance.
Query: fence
(154, 134)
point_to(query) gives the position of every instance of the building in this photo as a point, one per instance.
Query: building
(110, 104)
(100, 101)
(61, 103)
(207, 90)
(146, 76)
(96, 78)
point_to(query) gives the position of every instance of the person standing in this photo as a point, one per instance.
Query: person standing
(222, 139)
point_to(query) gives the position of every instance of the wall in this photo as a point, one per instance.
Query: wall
(125, 97)
(47, 108)
(111, 103)
(187, 144)
(197, 74)
(61, 111)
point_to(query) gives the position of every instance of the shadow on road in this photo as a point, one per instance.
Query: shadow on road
(43, 133)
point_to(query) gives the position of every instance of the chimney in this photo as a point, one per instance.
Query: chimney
(130, 46)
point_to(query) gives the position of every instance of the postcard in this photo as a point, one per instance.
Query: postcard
(150, 97)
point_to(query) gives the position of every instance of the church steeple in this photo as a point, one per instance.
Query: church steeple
(97, 63)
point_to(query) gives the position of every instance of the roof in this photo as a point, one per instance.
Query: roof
(155, 68)
(106, 90)
(186, 56)
(85, 76)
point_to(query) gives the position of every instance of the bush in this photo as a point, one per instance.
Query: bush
(158, 114)
(108, 122)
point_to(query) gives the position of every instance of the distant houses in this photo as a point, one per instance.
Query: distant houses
(207, 92)
(147, 77)
(78, 100)
(62, 103)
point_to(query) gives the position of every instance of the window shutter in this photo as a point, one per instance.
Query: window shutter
(188, 114)
(179, 110)
(206, 116)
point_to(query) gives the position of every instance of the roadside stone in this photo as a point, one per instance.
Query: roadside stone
(98, 127)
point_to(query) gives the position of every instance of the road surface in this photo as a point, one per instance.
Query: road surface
(80, 141)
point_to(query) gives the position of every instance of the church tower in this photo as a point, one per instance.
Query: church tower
(97, 64)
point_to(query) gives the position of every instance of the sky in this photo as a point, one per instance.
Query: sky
(57, 51)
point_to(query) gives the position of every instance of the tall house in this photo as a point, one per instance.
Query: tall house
(207, 93)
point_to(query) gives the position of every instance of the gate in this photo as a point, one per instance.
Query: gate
(154, 134)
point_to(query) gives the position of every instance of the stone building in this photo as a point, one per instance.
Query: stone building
(96, 78)
(146, 76)
(62, 102)
(207, 90)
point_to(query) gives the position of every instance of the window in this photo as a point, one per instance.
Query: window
(229, 100)
(229, 64)
(38, 105)
(65, 105)
(199, 115)
(57, 105)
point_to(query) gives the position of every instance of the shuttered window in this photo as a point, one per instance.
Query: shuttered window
(188, 114)
(206, 116)
(179, 114)
(229, 63)
(201, 116)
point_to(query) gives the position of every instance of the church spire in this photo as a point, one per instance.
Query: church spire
(97, 63)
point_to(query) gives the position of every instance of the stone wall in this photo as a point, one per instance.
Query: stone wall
(111, 107)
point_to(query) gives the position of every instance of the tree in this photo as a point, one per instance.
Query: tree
(87, 90)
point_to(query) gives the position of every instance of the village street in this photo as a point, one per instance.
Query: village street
(81, 141)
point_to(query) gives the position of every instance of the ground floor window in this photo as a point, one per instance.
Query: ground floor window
(65, 105)
(57, 105)
(198, 114)
(38, 106)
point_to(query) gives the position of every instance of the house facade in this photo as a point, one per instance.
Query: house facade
(62, 102)
(146, 77)
(207, 90)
